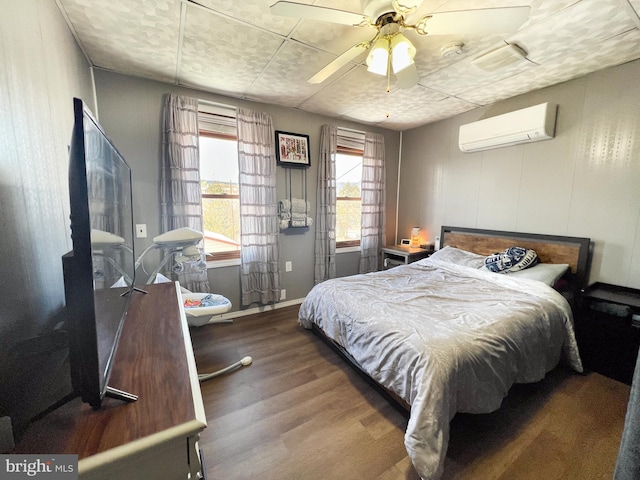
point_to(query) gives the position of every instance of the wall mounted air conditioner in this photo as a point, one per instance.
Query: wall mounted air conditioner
(530, 124)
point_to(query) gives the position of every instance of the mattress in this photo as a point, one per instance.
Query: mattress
(446, 338)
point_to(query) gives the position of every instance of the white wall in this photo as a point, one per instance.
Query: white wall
(41, 70)
(585, 182)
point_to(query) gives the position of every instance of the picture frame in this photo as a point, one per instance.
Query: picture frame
(292, 149)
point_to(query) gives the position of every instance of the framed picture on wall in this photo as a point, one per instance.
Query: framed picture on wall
(292, 149)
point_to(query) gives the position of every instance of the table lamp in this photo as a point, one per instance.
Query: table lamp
(415, 237)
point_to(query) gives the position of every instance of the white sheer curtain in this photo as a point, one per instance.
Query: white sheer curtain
(325, 247)
(259, 237)
(373, 202)
(180, 191)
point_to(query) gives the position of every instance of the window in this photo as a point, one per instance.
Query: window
(219, 181)
(349, 188)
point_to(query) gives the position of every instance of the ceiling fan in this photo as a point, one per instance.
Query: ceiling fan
(389, 49)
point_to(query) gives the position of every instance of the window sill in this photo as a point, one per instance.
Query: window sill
(347, 249)
(223, 263)
(236, 261)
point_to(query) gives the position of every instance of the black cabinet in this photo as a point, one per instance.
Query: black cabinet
(608, 329)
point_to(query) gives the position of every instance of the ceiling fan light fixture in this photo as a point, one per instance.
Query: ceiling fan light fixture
(402, 52)
(378, 58)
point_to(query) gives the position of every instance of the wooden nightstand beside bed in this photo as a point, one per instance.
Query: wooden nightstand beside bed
(402, 255)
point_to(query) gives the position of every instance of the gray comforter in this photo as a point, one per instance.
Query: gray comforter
(446, 338)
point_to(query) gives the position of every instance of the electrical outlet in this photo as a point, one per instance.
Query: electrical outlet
(288, 266)
(283, 294)
(141, 230)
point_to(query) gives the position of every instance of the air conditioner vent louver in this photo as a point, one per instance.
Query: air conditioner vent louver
(500, 57)
(530, 124)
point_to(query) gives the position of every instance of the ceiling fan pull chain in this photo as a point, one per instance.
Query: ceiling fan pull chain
(389, 70)
(387, 96)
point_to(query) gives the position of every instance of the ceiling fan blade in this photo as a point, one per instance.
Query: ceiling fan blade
(323, 14)
(408, 77)
(486, 20)
(339, 62)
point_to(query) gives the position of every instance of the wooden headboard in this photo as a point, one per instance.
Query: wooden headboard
(573, 251)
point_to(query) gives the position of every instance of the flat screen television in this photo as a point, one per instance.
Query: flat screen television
(99, 273)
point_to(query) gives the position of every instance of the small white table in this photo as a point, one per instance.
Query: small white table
(402, 255)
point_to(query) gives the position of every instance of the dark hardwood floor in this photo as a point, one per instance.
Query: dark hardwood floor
(300, 412)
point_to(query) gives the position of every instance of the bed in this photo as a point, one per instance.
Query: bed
(445, 335)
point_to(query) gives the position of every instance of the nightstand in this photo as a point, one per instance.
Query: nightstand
(402, 255)
(607, 331)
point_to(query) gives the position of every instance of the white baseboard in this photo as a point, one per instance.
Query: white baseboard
(229, 316)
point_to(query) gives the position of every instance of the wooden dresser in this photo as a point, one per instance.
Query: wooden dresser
(157, 435)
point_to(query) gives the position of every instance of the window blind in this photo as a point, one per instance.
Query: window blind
(350, 141)
(218, 119)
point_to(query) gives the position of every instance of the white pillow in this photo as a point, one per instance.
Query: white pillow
(548, 273)
(459, 257)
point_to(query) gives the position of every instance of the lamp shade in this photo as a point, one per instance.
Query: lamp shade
(415, 237)
(378, 58)
(402, 52)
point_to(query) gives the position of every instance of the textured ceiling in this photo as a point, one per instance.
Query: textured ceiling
(238, 49)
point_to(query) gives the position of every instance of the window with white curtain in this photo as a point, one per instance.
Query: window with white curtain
(219, 181)
(349, 187)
